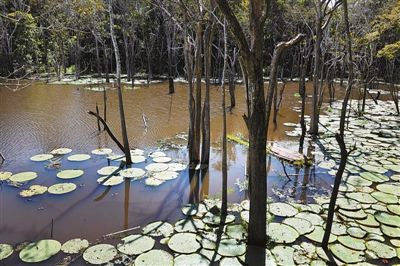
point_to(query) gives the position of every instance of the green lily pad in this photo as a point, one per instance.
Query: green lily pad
(165, 175)
(176, 167)
(302, 226)
(135, 173)
(345, 254)
(5, 251)
(392, 167)
(189, 225)
(313, 218)
(352, 243)
(283, 255)
(5, 176)
(388, 219)
(394, 209)
(69, 174)
(156, 167)
(75, 246)
(40, 251)
(374, 177)
(360, 214)
(338, 229)
(282, 233)
(374, 168)
(390, 189)
(61, 188)
(138, 159)
(395, 177)
(159, 228)
(41, 157)
(107, 170)
(23, 177)
(231, 248)
(282, 209)
(318, 234)
(361, 197)
(112, 181)
(191, 260)
(369, 221)
(194, 210)
(348, 204)
(162, 159)
(61, 151)
(385, 197)
(136, 244)
(382, 250)
(155, 257)
(356, 232)
(153, 182)
(357, 181)
(231, 262)
(157, 154)
(33, 191)
(390, 231)
(102, 151)
(100, 254)
(212, 219)
(78, 157)
(209, 254)
(184, 243)
(236, 231)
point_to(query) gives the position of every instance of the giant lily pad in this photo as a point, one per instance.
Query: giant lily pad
(231, 262)
(356, 232)
(191, 260)
(345, 254)
(194, 210)
(61, 151)
(23, 177)
(361, 197)
(75, 246)
(136, 244)
(157, 154)
(357, 181)
(302, 226)
(153, 182)
(391, 231)
(159, 228)
(69, 174)
(236, 231)
(391, 189)
(33, 191)
(5, 176)
(360, 214)
(388, 219)
(385, 197)
(100, 254)
(283, 255)
(392, 167)
(5, 251)
(282, 233)
(107, 170)
(41, 157)
(381, 250)
(112, 181)
(163, 159)
(135, 173)
(135, 152)
(374, 177)
(282, 209)
(176, 167)
(40, 251)
(374, 168)
(78, 157)
(370, 221)
(318, 234)
(189, 225)
(184, 243)
(102, 151)
(352, 243)
(156, 167)
(311, 217)
(138, 159)
(394, 209)
(231, 248)
(165, 175)
(155, 257)
(61, 188)
(212, 219)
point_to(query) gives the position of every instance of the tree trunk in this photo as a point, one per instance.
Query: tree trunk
(98, 64)
(127, 57)
(198, 73)
(224, 206)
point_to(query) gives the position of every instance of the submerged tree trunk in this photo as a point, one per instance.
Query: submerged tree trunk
(120, 98)
(198, 73)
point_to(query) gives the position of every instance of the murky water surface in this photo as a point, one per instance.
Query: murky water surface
(42, 117)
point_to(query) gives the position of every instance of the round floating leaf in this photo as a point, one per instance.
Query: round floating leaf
(136, 244)
(351, 242)
(318, 234)
(395, 177)
(33, 191)
(360, 214)
(374, 168)
(231, 248)
(231, 262)
(302, 226)
(282, 209)
(374, 177)
(69, 174)
(138, 159)
(156, 167)
(283, 255)
(162, 159)
(61, 188)
(236, 231)
(361, 197)
(61, 151)
(212, 219)
(102, 151)
(385, 197)
(191, 260)
(194, 210)
(345, 254)
(5, 176)
(348, 204)
(157, 154)
(159, 228)
(282, 233)
(75, 246)
(369, 221)
(39, 251)
(155, 257)
(392, 167)
(338, 229)
(112, 181)
(153, 182)
(78, 157)
(5, 251)
(390, 231)
(245, 205)
(184, 243)
(135, 173)
(388, 219)
(189, 225)
(23, 177)
(357, 181)
(356, 232)
(107, 170)
(165, 175)
(391, 189)
(100, 254)
(311, 217)
(41, 157)
(382, 250)
(177, 167)
(135, 152)
(394, 209)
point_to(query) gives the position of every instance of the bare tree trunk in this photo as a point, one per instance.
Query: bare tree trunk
(120, 98)
(224, 206)
(98, 64)
(198, 73)
(106, 63)
(127, 57)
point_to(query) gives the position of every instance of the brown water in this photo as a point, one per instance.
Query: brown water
(43, 117)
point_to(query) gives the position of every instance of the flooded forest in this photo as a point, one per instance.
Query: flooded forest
(199, 132)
